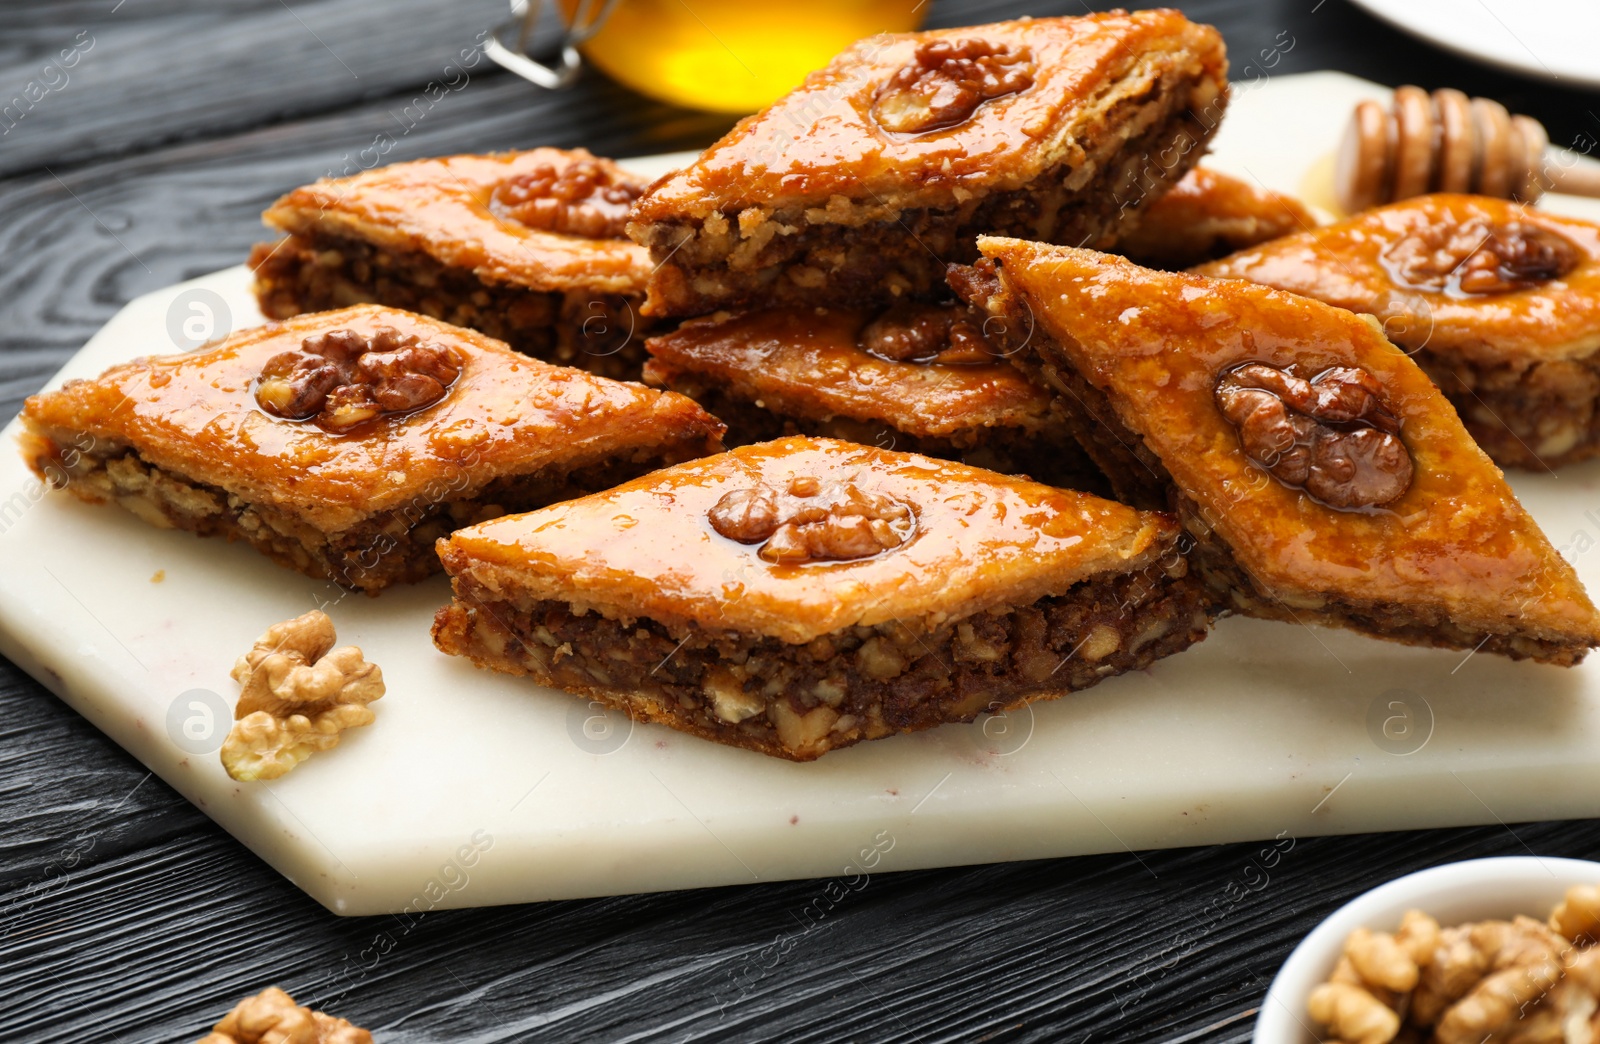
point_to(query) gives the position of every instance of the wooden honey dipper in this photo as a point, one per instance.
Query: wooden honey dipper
(1447, 142)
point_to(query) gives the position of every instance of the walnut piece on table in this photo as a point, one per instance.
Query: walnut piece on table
(272, 1017)
(298, 694)
(1521, 981)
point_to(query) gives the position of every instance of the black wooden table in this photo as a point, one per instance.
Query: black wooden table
(126, 915)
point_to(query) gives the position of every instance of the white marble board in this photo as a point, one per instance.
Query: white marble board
(475, 789)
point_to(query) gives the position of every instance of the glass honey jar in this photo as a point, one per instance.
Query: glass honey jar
(725, 55)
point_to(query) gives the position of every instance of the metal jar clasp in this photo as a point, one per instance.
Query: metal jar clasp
(587, 19)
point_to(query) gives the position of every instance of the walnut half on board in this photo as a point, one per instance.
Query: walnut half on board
(298, 694)
(272, 1017)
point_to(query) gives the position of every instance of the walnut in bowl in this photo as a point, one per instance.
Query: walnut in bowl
(1514, 890)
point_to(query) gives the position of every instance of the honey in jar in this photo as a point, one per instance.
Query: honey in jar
(732, 55)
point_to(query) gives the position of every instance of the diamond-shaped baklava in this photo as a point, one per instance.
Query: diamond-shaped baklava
(527, 247)
(801, 595)
(1321, 475)
(343, 444)
(860, 185)
(1209, 215)
(918, 378)
(1499, 303)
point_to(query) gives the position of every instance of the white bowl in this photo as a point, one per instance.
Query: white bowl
(1456, 892)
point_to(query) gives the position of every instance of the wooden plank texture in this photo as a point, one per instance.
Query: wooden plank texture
(126, 915)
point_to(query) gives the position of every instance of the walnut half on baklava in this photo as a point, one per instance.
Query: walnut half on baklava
(1499, 303)
(343, 444)
(801, 595)
(1323, 477)
(856, 188)
(528, 247)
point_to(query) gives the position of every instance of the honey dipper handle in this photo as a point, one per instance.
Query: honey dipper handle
(1571, 173)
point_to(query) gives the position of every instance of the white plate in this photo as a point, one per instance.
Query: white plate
(1552, 39)
(1455, 893)
(474, 788)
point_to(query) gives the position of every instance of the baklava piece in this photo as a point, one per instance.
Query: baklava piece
(1497, 302)
(802, 595)
(343, 444)
(1209, 215)
(1320, 474)
(856, 188)
(918, 378)
(528, 247)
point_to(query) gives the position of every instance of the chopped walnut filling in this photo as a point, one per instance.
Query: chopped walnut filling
(1475, 257)
(272, 1017)
(1331, 436)
(946, 81)
(584, 198)
(1520, 980)
(342, 380)
(924, 333)
(813, 521)
(298, 694)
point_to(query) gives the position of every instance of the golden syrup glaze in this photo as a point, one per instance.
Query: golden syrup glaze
(1156, 343)
(647, 550)
(821, 140)
(1342, 264)
(804, 364)
(441, 208)
(507, 414)
(1208, 209)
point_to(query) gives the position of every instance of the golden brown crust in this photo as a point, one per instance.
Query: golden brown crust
(197, 416)
(599, 332)
(441, 207)
(1351, 264)
(1208, 215)
(821, 142)
(809, 364)
(647, 549)
(1155, 344)
(815, 201)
